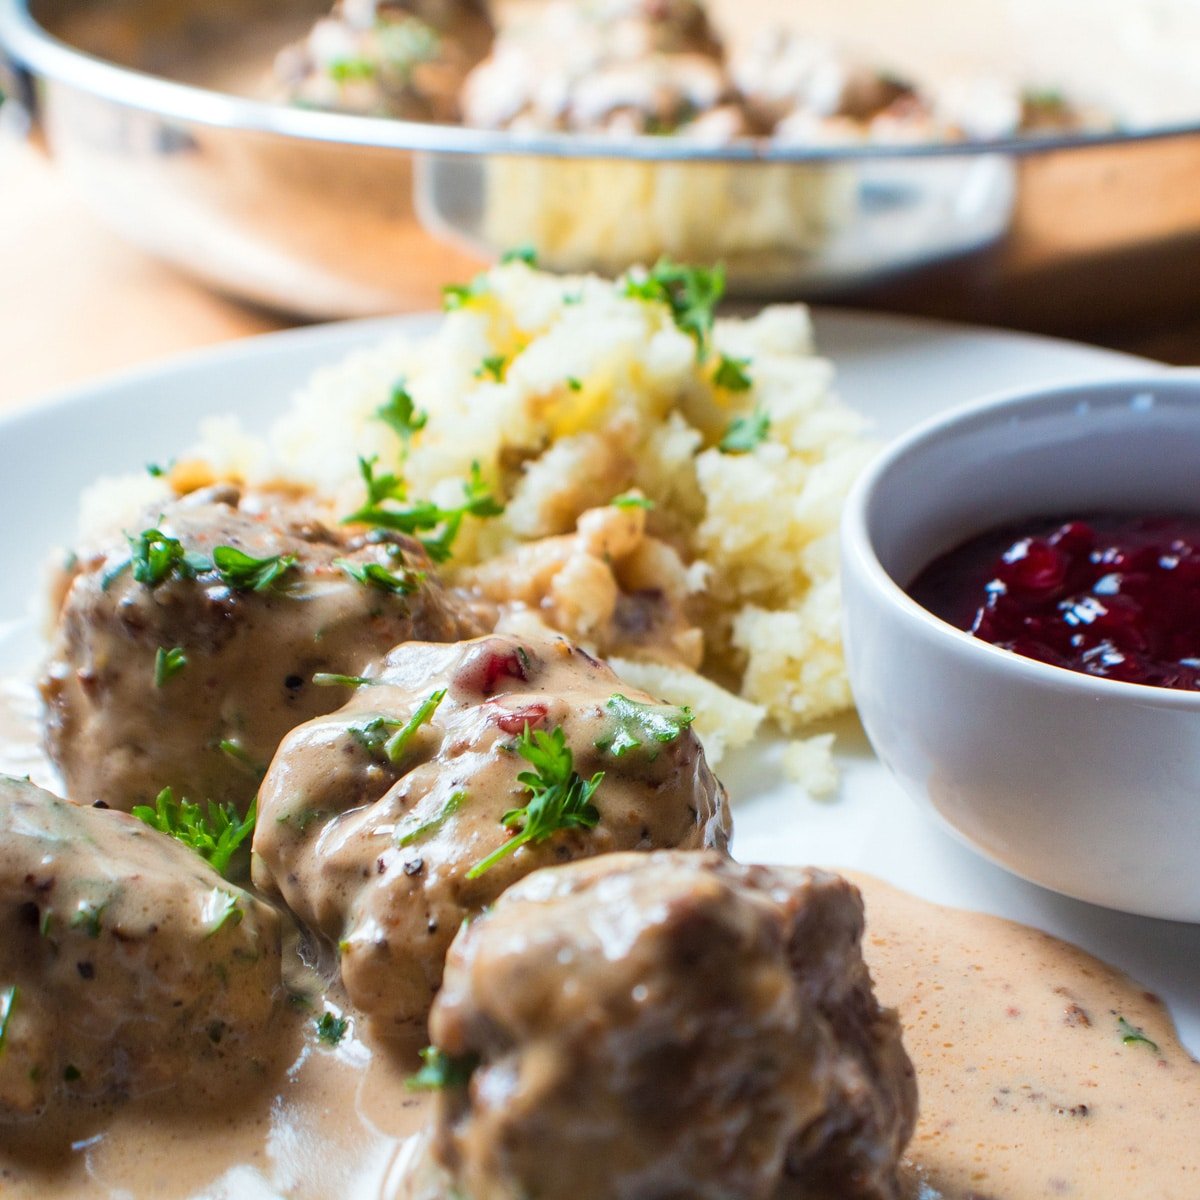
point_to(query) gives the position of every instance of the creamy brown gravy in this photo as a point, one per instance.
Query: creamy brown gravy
(1027, 1089)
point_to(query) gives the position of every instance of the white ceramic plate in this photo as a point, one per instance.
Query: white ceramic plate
(897, 371)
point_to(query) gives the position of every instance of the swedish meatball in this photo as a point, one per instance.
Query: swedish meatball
(127, 965)
(395, 58)
(386, 824)
(668, 1026)
(168, 671)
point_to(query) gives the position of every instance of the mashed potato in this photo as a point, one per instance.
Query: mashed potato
(727, 450)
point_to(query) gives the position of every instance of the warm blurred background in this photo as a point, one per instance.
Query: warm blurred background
(1078, 225)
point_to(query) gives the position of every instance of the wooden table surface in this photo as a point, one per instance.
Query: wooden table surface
(77, 302)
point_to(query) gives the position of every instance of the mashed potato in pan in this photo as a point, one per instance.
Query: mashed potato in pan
(670, 485)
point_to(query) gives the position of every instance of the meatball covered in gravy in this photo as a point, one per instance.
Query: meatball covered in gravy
(182, 657)
(453, 772)
(667, 1026)
(127, 965)
(388, 58)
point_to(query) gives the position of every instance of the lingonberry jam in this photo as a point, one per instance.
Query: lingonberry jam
(1105, 594)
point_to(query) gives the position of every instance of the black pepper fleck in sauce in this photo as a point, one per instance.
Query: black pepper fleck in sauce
(1106, 594)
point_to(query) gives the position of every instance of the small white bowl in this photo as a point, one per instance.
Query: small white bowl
(1084, 785)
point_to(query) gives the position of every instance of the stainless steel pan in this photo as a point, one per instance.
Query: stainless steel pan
(155, 109)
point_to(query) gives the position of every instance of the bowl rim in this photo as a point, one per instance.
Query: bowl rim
(858, 549)
(34, 48)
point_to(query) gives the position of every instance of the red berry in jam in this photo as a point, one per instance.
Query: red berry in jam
(1108, 594)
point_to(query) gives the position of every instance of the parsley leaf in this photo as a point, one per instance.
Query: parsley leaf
(168, 663)
(459, 295)
(245, 573)
(379, 487)
(325, 679)
(215, 836)
(87, 917)
(691, 293)
(346, 70)
(494, 366)
(397, 744)
(8, 1002)
(372, 735)
(558, 797)
(376, 575)
(744, 433)
(1132, 1036)
(631, 500)
(422, 516)
(635, 721)
(156, 556)
(240, 755)
(731, 374)
(440, 1070)
(377, 736)
(526, 254)
(434, 823)
(401, 414)
(331, 1029)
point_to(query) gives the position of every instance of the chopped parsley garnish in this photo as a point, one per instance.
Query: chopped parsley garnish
(574, 384)
(221, 909)
(391, 737)
(157, 471)
(731, 374)
(331, 1029)
(373, 735)
(87, 917)
(494, 366)
(156, 556)
(376, 575)
(71, 1073)
(744, 433)
(1046, 98)
(691, 293)
(422, 516)
(379, 487)
(631, 500)
(245, 573)
(635, 722)
(401, 414)
(459, 295)
(168, 663)
(214, 836)
(526, 254)
(1132, 1036)
(241, 756)
(440, 1070)
(8, 1003)
(348, 70)
(558, 797)
(434, 823)
(325, 679)
(397, 744)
